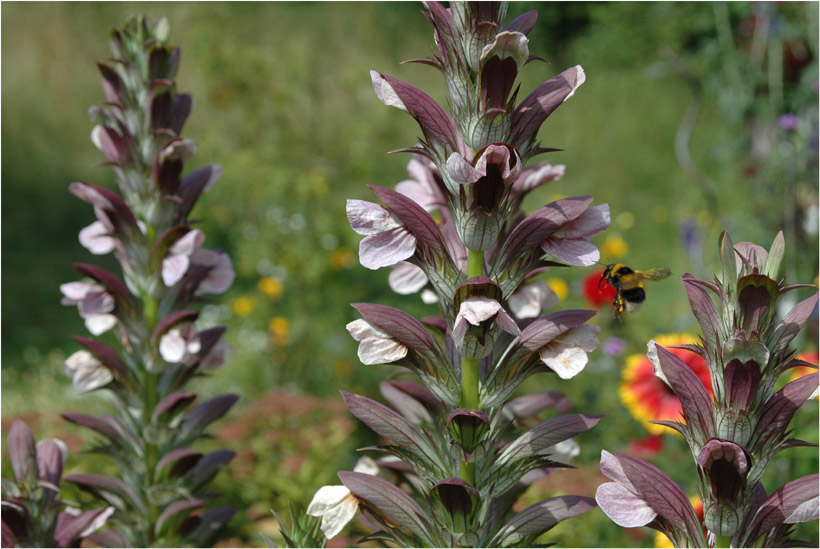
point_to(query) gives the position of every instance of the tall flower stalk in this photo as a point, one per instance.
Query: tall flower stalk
(734, 435)
(155, 347)
(456, 232)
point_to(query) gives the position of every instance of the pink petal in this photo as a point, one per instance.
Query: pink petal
(96, 239)
(174, 268)
(386, 248)
(579, 252)
(406, 278)
(623, 507)
(367, 218)
(592, 221)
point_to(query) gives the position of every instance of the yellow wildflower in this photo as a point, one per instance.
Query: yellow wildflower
(614, 246)
(558, 286)
(279, 327)
(242, 306)
(342, 258)
(272, 287)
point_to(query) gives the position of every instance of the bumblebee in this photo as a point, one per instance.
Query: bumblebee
(630, 292)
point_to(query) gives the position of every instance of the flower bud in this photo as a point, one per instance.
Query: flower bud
(478, 229)
(468, 428)
(459, 499)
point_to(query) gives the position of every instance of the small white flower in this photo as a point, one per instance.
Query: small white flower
(87, 372)
(93, 303)
(175, 264)
(477, 309)
(529, 301)
(97, 239)
(567, 354)
(336, 504)
(375, 346)
(179, 343)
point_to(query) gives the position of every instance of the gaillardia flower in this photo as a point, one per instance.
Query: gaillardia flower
(647, 396)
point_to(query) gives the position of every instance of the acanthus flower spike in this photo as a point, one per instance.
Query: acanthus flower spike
(735, 430)
(456, 232)
(164, 268)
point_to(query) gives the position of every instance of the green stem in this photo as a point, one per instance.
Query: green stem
(723, 541)
(475, 263)
(470, 367)
(150, 314)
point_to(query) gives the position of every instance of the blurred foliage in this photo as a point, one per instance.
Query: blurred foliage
(283, 102)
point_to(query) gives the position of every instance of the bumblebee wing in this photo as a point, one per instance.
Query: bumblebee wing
(658, 273)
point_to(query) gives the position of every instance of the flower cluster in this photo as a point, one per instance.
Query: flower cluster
(455, 231)
(33, 514)
(736, 431)
(157, 346)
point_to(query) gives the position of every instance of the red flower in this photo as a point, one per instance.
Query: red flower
(646, 396)
(647, 447)
(595, 296)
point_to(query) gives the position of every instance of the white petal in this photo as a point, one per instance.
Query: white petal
(95, 137)
(76, 291)
(406, 278)
(380, 351)
(325, 498)
(459, 330)
(172, 347)
(623, 507)
(95, 238)
(99, 324)
(584, 336)
(460, 170)
(529, 301)
(367, 218)
(366, 465)
(418, 193)
(652, 355)
(189, 243)
(542, 174)
(386, 248)
(385, 92)
(578, 252)
(88, 379)
(429, 297)
(337, 517)
(567, 362)
(580, 78)
(97, 523)
(216, 174)
(375, 346)
(174, 268)
(96, 303)
(592, 221)
(361, 329)
(567, 355)
(476, 310)
(79, 360)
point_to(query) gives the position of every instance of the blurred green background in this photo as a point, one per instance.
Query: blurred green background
(283, 102)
